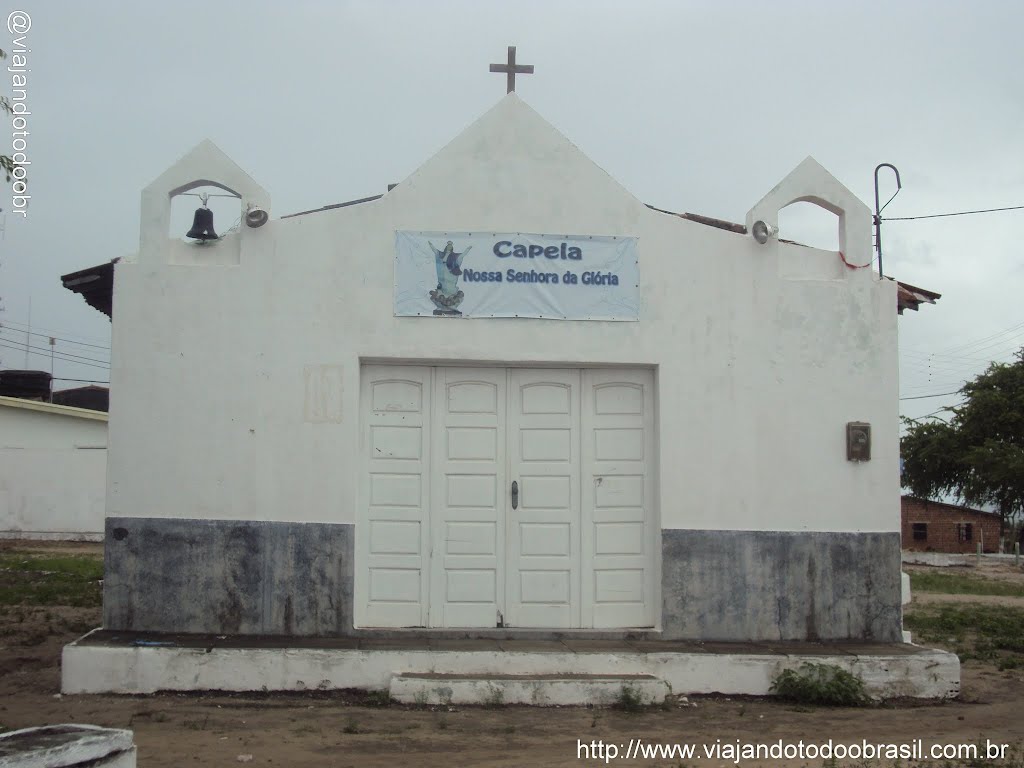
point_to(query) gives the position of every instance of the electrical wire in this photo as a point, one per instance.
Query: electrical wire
(934, 413)
(968, 344)
(55, 355)
(22, 328)
(955, 361)
(917, 374)
(68, 355)
(918, 377)
(86, 381)
(939, 366)
(955, 213)
(970, 359)
(937, 394)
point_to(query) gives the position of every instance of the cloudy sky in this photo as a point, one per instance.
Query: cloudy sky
(692, 106)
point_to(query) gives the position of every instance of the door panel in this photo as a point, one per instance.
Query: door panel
(619, 538)
(543, 586)
(438, 541)
(395, 405)
(468, 500)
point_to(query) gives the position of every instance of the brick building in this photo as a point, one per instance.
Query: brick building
(933, 526)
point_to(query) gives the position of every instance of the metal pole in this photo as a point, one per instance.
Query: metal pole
(879, 209)
(52, 342)
(28, 333)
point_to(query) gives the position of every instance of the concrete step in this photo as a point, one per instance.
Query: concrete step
(111, 663)
(537, 690)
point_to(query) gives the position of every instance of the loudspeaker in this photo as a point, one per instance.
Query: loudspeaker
(255, 217)
(762, 231)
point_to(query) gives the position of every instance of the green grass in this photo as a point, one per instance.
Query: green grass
(821, 684)
(32, 579)
(991, 633)
(958, 584)
(630, 699)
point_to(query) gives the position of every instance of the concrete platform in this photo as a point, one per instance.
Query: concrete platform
(537, 690)
(117, 662)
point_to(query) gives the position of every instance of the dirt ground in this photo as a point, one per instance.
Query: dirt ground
(53, 547)
(990, 568)
(342, 730)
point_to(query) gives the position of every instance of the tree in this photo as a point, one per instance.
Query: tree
(5, 106)
(978, 454)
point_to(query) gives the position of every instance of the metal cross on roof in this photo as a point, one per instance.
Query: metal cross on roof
(511, 69)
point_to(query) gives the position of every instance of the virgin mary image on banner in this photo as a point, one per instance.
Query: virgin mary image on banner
(448, 263)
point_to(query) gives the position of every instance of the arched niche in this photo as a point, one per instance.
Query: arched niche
(203, 166)
(810, 224)
(809, 182)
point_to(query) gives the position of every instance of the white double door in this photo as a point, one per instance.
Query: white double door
(507, 497)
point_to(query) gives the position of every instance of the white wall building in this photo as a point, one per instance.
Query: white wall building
(294, 452)
(53, 470)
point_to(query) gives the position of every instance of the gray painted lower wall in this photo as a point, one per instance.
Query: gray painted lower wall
(228, 576)
(247, 577)
(772, 585)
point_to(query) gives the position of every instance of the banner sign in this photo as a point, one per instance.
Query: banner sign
(477, 274)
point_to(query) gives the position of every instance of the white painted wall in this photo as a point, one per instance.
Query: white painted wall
(53, 467)
(237, 366)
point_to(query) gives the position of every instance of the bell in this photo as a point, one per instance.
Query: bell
(202, 225)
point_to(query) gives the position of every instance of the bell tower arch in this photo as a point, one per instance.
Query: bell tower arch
(205, 165)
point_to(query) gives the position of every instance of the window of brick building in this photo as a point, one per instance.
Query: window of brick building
(964, 531)
(920, 531)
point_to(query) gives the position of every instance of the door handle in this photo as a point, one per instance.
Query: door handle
(515, 495)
